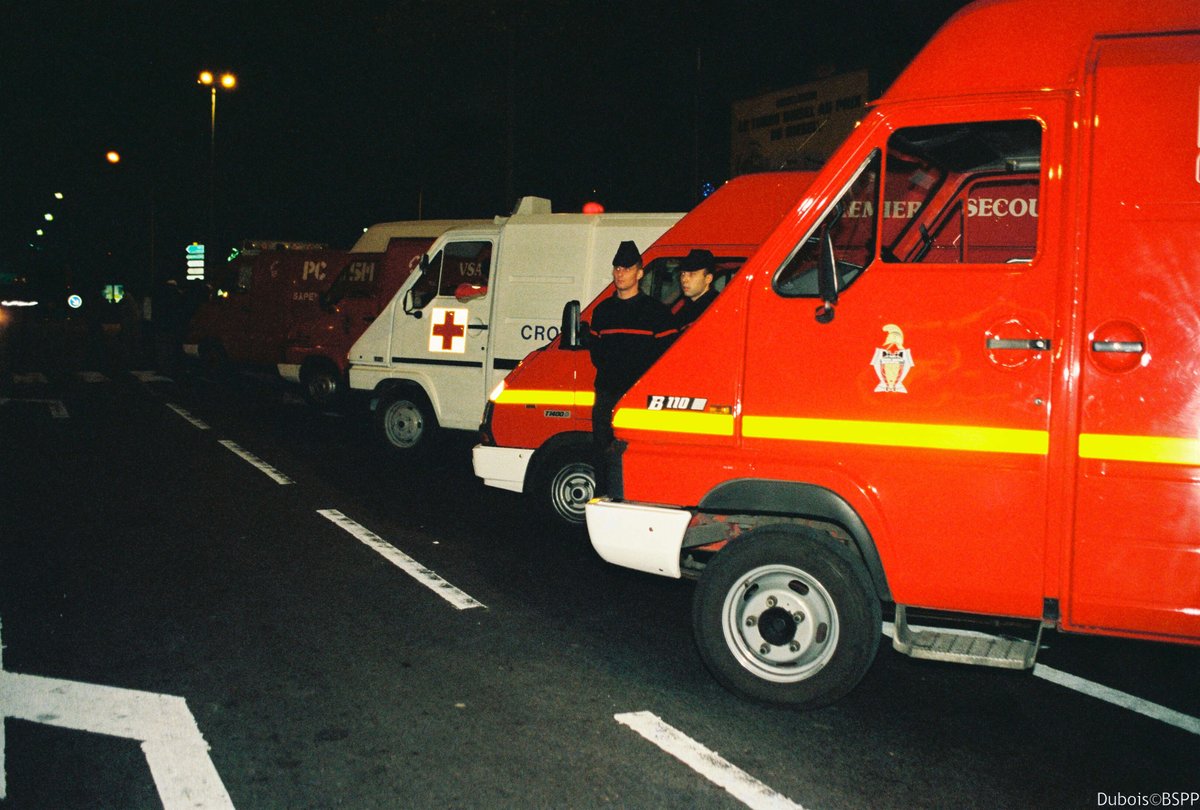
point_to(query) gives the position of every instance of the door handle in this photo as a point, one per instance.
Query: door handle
(1030, 345)
(1118, 346)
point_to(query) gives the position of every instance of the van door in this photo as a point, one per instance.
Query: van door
(1136, 562)
(925, 401)
(442, 334)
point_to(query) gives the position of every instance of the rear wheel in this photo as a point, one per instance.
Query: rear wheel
(323, 384)
(406, 422)
(565, 482)
(786, 616)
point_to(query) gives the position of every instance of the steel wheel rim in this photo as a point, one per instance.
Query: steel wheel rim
(322, 387)
(759, 621)
(403, 424)
(570, 490)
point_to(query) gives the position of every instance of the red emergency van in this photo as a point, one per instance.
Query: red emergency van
(318, 340)
(537, 429)
(258, 300)
(959, 377)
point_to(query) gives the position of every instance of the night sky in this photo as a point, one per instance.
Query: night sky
(354, 112)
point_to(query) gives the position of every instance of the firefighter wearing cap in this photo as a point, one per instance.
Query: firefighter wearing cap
(695, 278)
(625, 337)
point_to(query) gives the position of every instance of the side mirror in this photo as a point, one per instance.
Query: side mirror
(571, 330)
(408, 303)
(469, 292)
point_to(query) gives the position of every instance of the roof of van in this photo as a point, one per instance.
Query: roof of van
(759, 200)
(375, 239)
(996, 46)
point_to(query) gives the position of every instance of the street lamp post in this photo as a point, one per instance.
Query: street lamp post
(226, 81)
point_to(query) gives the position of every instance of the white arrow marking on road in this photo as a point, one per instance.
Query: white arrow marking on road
(272, 473)
(402, 561)
(709, 764)
(174, 747)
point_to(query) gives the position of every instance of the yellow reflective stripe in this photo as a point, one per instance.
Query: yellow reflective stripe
(1150, 449)
(709, 424)
(898, 434)
(530, 396)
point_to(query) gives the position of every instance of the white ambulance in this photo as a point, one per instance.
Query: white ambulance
(483, 299)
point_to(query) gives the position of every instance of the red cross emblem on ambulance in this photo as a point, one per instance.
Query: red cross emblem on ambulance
(448, 331)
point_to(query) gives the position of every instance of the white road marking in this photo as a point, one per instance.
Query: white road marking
(30, 378)
(709, 764)
(1116, 697)
(402, 561)
(187, 416)
(174, 747)
(272, 473)
(91, 376)
(150, 376)
(57, 409)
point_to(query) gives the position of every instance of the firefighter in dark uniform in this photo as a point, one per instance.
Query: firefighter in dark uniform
(626, 335)
(695, 278)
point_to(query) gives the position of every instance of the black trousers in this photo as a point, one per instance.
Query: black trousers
(602, 436)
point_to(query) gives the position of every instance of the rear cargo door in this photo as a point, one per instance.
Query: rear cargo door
(1136, 562)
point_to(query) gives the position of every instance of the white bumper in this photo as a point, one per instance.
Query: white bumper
(192, 350)
(633, 535)
(289, 371)
(502, 467)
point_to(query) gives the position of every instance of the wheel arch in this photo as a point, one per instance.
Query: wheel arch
(569, 439)
(776, 502)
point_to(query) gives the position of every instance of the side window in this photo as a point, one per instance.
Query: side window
(661, 280)
(851, 224)
(465, 263)
(962, 193)
(950, 194)
(425, 287)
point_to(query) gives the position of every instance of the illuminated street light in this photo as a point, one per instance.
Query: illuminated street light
(112, 156)
(58, 195)
(48, 216)
(227, 82)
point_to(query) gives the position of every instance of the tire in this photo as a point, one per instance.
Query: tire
(786, 616)
(323, 384)
(564, 483)
(406, 422)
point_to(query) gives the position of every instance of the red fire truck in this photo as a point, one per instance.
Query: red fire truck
(958, 378)
(259, 298)
(537, 428)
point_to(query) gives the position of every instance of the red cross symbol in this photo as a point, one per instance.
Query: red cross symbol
(448, 330)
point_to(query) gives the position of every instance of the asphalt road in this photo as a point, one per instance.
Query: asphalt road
(139, 552)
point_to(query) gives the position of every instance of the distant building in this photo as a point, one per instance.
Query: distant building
(799, 127)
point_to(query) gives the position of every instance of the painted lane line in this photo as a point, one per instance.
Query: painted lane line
(187, 416)
(402, 561)
(58, 409)
(272, 473)
(30, 378)
(1116, 697)
(709, 764)
(92, 376)
(150, 377)
(175, 750)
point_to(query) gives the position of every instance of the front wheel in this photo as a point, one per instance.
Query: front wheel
(406, 422)
(786, 616)
(323, 385)
(565, 482)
